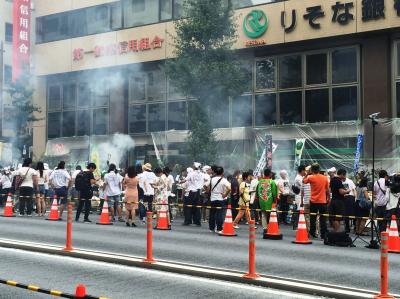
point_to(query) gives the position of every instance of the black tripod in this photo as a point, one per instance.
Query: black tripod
(373, 243)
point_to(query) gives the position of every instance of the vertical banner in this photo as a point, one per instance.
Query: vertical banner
(268, 151)
(21, 37)
(262, 162)
(360, 140)
(298, 151)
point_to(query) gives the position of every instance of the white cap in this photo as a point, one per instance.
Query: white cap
(205, 168)
(197, 165)
(331, 170)
(46, 166)
(189, 169)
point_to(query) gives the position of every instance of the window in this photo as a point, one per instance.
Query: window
(242, 111)
(52, 27)
(265, 110)
(245, 3)
(140, 12)
(54, 97)
(156, 85)
(398, 98)
(265, 73)
(317, 68)
(156, 117)
(344, 102)
(83, 123)
(9, 33)
(54, 125)
(317, 105)
(177, 116)
(138, 88)
(290, 71)
(69, 96)
(178, 9)
(166, 9)
(100, 121)
(68, 124)
(344, 66)
(7, 74)
(290, 105)
(84, 98)
(219, 113)
(247, 70)
(173, 93)
(137, 119)
(100, 94)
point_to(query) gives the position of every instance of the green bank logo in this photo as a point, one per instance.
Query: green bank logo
(255, 24)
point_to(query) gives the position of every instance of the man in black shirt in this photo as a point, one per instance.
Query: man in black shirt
(86, 193)
(337, 205)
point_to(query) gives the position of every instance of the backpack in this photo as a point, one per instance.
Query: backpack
(364, 203)
(340, 239)
(81, 182)
(295, 189)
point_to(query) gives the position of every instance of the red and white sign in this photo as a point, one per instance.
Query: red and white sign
(21, 37)
(134, 45)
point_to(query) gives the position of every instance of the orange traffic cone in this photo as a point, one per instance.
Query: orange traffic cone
(54, 215)
(228, 230)
(272, 232)
(394, 240)
(302, 233)
(162, 221)
(8, 209)
(104, 217)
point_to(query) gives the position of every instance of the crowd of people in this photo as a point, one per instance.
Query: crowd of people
(202, 194)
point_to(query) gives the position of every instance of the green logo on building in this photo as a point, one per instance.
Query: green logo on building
(255, 24)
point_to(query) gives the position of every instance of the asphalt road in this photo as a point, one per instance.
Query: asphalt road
(112, 281)
(353, 267)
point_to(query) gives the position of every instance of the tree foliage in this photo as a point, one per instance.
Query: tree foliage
(205, 66)
(23, 111)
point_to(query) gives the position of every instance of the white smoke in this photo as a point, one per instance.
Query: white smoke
(116, 148)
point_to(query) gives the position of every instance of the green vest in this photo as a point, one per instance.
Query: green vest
(266, 192)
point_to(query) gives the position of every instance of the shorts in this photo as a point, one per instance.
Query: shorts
(41, 190)
(113, 201)
(62, 195)
(337, 207)
(243, 203)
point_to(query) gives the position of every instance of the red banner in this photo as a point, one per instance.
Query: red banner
(21, 37)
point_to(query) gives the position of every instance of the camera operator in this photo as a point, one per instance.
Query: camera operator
(392, 196)
(380, 190)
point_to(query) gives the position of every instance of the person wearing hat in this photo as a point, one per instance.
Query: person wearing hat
(148, 177)
(195, 183)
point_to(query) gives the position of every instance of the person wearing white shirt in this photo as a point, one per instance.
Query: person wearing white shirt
(148, 177)
(219, 189)
(41, 191)
(29, 181)
(254, 205)
(61, 181)
(195, 183)
(112, 191)
(284, 192)
(5, 185)
(171, 196)
(349, 202)
(207, 174)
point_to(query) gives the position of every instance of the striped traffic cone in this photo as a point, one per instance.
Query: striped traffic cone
(228, 229)
(302, 233)
(54, 215)
(162, 221)
(272, 232)
(8, 209)
(104, 217)
(394, 240)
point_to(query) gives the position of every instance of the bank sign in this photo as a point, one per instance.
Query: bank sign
(310, 18)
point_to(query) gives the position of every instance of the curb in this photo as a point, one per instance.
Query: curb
(273, 282)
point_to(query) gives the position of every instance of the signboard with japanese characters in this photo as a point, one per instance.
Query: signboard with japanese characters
(21, 37)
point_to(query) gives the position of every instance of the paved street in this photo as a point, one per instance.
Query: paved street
(114, 281)
(353, 267)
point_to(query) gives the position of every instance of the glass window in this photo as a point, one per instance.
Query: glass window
(265, 110)
(100, 121)
(177, 116)
(100, 94)
(173, 92)
(344, 103)
(138, 88)
(83, 123)
(116, 15)
(53, 125)
(156, 117)
(137, 119)
(245, 3)
(398, 98)
(344, 65)
(317, 68)
(317, 105)
(247, 70)
(242, 111)
(178, 9)
(52, 27)
(290, 105)
(265, 73)
(68, 124)
(98, 19)
(54, 97)
(77, 23)
(156, 86)
(7, 74)
(9, 33)
(69, 96)
(290, 71)
(140, 12)
(219, 113)
(84, 95)
(166, 9)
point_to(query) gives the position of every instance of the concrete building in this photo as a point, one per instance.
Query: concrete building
(317, 69)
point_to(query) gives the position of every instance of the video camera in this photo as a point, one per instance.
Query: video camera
(394, 183)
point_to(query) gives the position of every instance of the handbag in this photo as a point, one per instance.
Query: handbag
(20, 179)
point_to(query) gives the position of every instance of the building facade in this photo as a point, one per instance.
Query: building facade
(316, 70)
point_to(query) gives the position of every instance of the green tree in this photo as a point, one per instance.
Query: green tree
(23, 112)
(205, 67)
